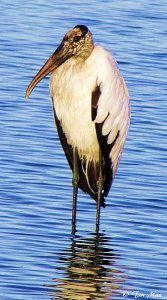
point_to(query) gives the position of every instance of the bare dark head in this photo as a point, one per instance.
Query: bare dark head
(77, 43)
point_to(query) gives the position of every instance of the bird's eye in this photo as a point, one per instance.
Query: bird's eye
(76, 38)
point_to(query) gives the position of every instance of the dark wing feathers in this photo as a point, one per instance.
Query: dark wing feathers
(66, 147)
(95, 97)
(104, 146)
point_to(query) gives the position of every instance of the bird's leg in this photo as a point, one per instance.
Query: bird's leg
(100, 188)
(75, 189)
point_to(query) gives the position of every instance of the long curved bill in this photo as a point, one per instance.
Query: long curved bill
(57, 58)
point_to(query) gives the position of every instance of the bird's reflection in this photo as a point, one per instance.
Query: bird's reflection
(89, 270)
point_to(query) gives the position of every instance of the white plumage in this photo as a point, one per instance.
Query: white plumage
(73, 103)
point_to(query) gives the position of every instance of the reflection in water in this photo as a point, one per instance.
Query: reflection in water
(89, 271)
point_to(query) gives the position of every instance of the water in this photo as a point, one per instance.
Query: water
(39, 258)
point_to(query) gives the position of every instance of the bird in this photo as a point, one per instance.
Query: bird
(91, 109)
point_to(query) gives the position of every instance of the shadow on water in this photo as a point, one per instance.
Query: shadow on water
(90, 270)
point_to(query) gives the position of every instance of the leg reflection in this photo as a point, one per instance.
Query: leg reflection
(88, 270)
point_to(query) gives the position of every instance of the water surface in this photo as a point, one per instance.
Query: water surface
(39, 257)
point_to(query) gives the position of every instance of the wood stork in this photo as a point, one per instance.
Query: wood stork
(91, 110)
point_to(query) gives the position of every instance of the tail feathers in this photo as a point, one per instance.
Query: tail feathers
(89, 174)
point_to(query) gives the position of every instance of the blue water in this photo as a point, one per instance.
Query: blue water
(39, 259)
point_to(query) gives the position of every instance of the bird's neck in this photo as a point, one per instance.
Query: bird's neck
(88, 50)
(85, 52)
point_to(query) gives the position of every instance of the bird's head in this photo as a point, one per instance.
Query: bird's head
(77, 43)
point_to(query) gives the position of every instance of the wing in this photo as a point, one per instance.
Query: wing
(111, 113)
